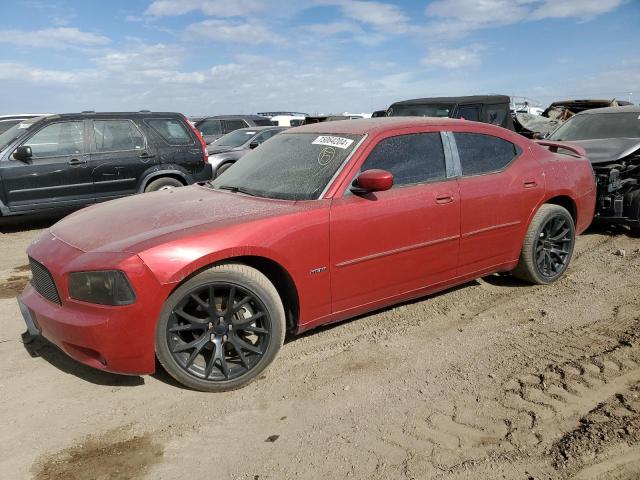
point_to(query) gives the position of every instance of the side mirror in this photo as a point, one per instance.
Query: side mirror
(23, 153)
(253, 145)
(373, 181)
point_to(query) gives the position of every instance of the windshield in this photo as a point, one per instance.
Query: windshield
(262, 122)
(599, 125)
(235, 138)
(13, 133)
(290, 166)
(422, 110)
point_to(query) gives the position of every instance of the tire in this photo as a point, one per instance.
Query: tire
(199, 346)
(163, 183)
(223, 168)
(548, 246)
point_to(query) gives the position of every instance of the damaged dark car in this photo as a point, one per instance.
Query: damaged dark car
(611, 138)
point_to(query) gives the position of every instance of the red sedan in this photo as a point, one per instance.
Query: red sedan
(321, 223)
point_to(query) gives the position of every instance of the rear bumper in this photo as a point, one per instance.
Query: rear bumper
(204, 175)
(118, 339)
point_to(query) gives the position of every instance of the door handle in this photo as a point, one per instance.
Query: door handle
(75, 161)
(530, 183)
(145, 155)
(444, 198)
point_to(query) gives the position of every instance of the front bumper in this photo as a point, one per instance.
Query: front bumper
(117, 339)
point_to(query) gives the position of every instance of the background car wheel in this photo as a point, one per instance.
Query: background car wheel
(548, 246)
(163, 183)
(220, 329)
(223, 168)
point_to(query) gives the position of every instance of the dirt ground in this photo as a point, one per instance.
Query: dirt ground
(495, 379)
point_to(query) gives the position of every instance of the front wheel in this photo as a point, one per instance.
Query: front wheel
(220, 329)
(548, 246)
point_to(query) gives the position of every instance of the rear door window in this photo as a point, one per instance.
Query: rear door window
(210, 127)
(171, 130)
(117, 135)
(232, 125)
(58, 139)
(468, 112)
(481, 154)
(262, 122)
(413, 158)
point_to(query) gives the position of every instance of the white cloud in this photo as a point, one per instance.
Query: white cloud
(233, 31)
(57, 38)
(376, 14)
(458, 17)
(453, 58)
(217, 8)
(582, 9)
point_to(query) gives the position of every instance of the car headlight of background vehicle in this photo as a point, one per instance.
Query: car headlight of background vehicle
(107, 287)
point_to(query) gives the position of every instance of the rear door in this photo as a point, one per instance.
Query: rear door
(233, 124)
(500, 186)
(388, 243)
(57, 175)
(120, 154)
(178, 144)
(210, 129)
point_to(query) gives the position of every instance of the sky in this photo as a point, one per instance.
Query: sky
(202, 57)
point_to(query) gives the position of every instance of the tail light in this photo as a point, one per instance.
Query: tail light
(199, 135)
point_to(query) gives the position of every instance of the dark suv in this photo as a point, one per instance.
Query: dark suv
(72, 160)
(212, 128)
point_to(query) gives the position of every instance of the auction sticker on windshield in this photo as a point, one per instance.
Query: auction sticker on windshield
(331, 141)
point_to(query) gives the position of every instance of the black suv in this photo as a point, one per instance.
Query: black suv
(212, 128)
(72, 160)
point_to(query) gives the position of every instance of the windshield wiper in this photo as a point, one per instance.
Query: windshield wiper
(235, 189)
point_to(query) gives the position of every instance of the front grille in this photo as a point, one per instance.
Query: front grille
(43, 282)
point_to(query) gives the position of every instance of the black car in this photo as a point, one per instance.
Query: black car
(213, 128)
(611, 138)
(493, 109)
(72, 160)
(225, 151)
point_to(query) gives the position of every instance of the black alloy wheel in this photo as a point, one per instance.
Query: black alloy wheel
(219, 331)
(554, 246)
(548, 246)
(221, 328)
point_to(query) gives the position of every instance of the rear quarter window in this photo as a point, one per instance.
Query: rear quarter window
(480, 154)
(172, 130)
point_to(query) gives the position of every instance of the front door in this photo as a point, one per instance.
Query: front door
(389, 243)
(57, 175)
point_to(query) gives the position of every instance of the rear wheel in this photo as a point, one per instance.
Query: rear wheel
(163, 183)
(548, 246)
(221, 329)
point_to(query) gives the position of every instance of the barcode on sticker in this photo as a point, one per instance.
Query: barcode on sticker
(331, 141)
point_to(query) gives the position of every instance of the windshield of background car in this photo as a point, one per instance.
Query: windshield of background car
(235, 138)
(8, 137)
(599, 125)
(290, 166)
(421, 110)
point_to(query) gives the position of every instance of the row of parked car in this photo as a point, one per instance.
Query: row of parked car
(71, 160)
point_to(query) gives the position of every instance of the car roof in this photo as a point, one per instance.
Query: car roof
(361, 126)
(251, 117)
(260, 128)
(622, 109)
(465, 99)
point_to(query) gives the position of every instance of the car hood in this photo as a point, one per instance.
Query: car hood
(608, 149)
(134, 223)
(213, 149)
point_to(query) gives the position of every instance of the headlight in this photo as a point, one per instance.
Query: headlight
(108, 287)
